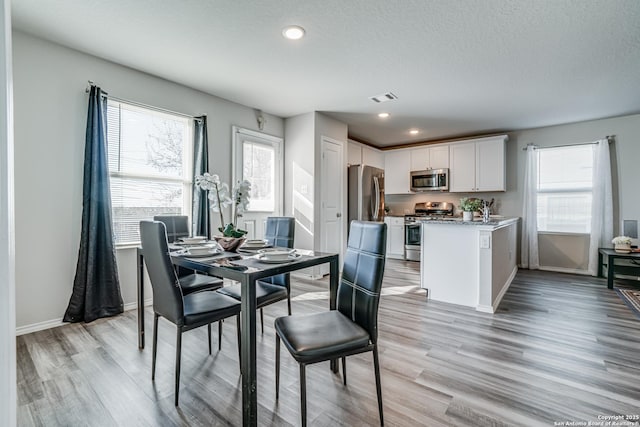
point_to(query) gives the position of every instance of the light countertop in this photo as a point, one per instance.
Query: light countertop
(494, 221)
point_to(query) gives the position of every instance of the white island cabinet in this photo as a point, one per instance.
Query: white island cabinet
(395, 236)
(468, 263)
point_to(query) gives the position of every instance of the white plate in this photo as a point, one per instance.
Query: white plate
(194, 239)
(210, 253)
(255, 244)
(266, 260)
(276, 254)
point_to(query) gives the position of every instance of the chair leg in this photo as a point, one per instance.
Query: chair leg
(239, 343)
(376, 364)
(277, 365)
(154, 351)
(219, 335)
(262, 320)
(178, 353)
(344, 369)
(209, 334)
(289, 302)
(303, 395)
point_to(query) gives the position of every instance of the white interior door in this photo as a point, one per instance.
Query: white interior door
(331, 203)
(258, 158)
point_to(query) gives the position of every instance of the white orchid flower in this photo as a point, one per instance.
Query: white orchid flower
(221, 197)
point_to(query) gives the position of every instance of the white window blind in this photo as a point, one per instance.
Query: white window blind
(150, 162)
(565, 189)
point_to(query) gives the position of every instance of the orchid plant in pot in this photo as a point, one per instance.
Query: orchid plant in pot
(221, 197)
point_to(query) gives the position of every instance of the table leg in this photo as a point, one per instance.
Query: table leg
(140, 261)
(600, 264)
(248, 362)
(333, 294)
(610, 271)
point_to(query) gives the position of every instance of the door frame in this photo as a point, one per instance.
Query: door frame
(238, 131)
(343, 194)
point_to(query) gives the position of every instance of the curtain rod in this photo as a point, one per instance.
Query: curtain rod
(609, 138)
(140, 104)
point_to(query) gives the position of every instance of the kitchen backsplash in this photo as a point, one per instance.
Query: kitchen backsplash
(401, 204)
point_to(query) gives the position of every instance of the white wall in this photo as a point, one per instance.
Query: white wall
(625, 155)
(50, 120)
(299, 181)
(8, 399)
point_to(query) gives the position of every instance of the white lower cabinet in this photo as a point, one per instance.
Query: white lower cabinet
(395, 237)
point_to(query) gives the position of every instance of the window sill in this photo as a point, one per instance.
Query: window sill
(127, 246)
(563, 233)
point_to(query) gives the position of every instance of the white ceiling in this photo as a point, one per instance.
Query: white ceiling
(458, 67)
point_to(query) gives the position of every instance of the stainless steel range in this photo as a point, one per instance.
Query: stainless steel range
(412, 225)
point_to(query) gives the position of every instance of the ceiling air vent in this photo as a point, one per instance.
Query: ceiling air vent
(383, 98)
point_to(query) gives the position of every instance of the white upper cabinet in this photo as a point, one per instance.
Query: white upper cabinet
(478, 165)
(354, 153)
(439, 157)
(397, 165)
(419, 159)
(359, 154)
(372, 157)
(462, 175)
(424, 158)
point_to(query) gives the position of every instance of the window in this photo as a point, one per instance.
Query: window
(258, 167)
(565, 189)
(258, 159)
(150, 162)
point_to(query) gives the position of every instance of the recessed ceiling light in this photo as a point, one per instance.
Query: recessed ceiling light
(293, 32)
(383, 115)
(414, 131)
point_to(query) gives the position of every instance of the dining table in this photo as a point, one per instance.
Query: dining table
(245, 267)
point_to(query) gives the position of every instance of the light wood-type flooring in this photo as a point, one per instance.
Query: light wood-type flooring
(561, 348)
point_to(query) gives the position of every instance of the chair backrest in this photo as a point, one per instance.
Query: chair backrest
(177, 226)
(167, 294)
(280, 231)
(362, 271)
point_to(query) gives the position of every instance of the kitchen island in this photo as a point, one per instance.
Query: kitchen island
(469, 263)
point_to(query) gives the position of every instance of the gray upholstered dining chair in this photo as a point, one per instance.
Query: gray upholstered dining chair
(353, 327)
(280, 232)
(187, 312)
(177, 226)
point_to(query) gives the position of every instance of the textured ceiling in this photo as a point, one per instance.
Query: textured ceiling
(458, 67)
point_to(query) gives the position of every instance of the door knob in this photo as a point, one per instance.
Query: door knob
(338, 215)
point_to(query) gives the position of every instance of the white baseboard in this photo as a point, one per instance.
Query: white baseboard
(40, 326)
(565, 270)
(54, 323)
(496, 302)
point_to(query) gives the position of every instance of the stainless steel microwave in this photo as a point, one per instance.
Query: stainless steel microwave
(430, 180)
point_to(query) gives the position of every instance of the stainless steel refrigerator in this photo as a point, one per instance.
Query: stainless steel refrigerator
(366, 193)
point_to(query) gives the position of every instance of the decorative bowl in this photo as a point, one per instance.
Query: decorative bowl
(229, 244)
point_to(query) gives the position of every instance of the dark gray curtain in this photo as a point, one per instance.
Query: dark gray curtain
(96, 289)
(200, 210)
